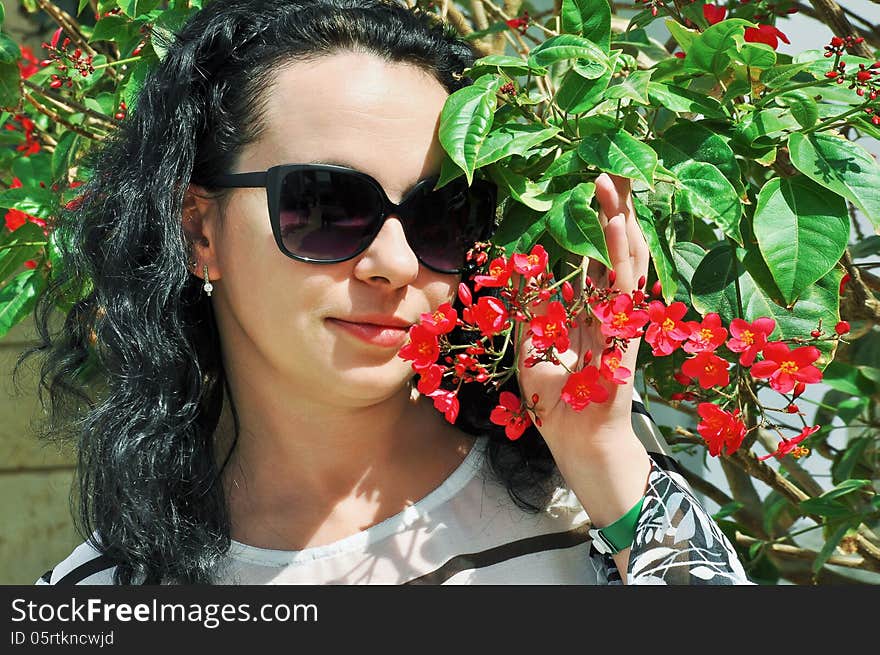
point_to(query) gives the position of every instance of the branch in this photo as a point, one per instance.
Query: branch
(832, 15)
(795, 552)
(69, 104)
(858, 301)
(747, 518)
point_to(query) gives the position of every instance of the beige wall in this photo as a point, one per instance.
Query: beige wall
(37, 528)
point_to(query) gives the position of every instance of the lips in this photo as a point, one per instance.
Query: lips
(382, 335)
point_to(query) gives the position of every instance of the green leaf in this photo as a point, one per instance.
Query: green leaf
(705, 193)
(633, 86)
(575, 225)
(111, 28)
(684, 101)
(510, 65)
(764, 127)
(727, 510)
(801, 105)
(818, 302)
(13, 252)
(779, 75)
(756, 55)
(577, 94)
(847, 459)
(659, 249)
(846, 377)
(532, 194)
(683, 36)
(10, 52)
(590, 19)
(829, 546)
(31, 200)
(564, 47)
(10, 85)
(822, 507)
(842, 166)
(845, 488)
(802, 232)
(567, 163)
(62, 154)
(512, 139)
(620, 153)
(686, 141)
(713, 286)
(465, 121)
(710, 51)
(518, 226)
(17, 298)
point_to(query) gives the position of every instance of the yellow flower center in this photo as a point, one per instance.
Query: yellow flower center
(620, 319)
(747, 337)
(788, 367)
(705, 334)
(668, 325)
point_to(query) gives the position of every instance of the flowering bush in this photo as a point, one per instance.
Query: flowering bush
(747, 179)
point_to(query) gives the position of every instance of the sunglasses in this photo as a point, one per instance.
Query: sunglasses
(323, 213)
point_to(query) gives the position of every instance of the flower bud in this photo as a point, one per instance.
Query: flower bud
(657, 289)
(567, 291)
(588, 357)
(535, 399)
(798, 389)
(641, 282)
(842, 327)
(464, 295)
(815, 333)
(612, 277)
(792, 409)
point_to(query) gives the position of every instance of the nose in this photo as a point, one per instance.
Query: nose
(389, 259)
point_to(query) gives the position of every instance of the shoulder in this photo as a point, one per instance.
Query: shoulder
(86, 565)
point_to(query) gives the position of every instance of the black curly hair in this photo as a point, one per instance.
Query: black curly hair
(133, 372)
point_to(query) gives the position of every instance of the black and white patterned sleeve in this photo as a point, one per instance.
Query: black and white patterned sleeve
(676, 541)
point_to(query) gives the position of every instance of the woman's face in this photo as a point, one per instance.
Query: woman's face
(284, 317)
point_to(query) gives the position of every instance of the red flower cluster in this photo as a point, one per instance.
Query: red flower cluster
(620, 317)
(16, 218)
(864, 80)
(31, 144)
(66, 60)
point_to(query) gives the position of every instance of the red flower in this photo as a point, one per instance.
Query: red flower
(490, 315)
(429, 379)
(550, 329)
(666, 332)
(15, 218)
(611, 369)
(787, 446)
(707, 335)
(749, 338)
(720, 428)
(583, 387)
(765, 34)
(618, 317)
(446, 402)
(423, 347)
(714, 14)
(29, 63)
(441, 321)
(531, 265)
(709, 369)
(784, 367)
(511, 413)
(499, 274)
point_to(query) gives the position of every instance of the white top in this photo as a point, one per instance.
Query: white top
(469, 531)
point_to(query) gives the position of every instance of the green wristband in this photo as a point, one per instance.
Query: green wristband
(619, 535)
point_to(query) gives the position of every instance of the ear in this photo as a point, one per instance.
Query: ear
(200, 222)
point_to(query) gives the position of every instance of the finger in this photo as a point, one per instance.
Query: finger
(618, 251)
(608, 193)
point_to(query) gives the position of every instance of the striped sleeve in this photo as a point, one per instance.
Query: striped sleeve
(86, 565)
(676, 542)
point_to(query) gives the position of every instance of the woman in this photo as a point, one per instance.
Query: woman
(254, 423)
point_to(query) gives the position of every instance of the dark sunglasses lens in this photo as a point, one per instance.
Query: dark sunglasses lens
(327, 215)
(447, 222)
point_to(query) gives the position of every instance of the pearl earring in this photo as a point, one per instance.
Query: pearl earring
(207, 286)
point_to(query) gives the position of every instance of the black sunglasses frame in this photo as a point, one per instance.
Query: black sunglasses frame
(272, 179)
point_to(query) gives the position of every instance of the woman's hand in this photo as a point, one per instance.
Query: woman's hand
(566, 431)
